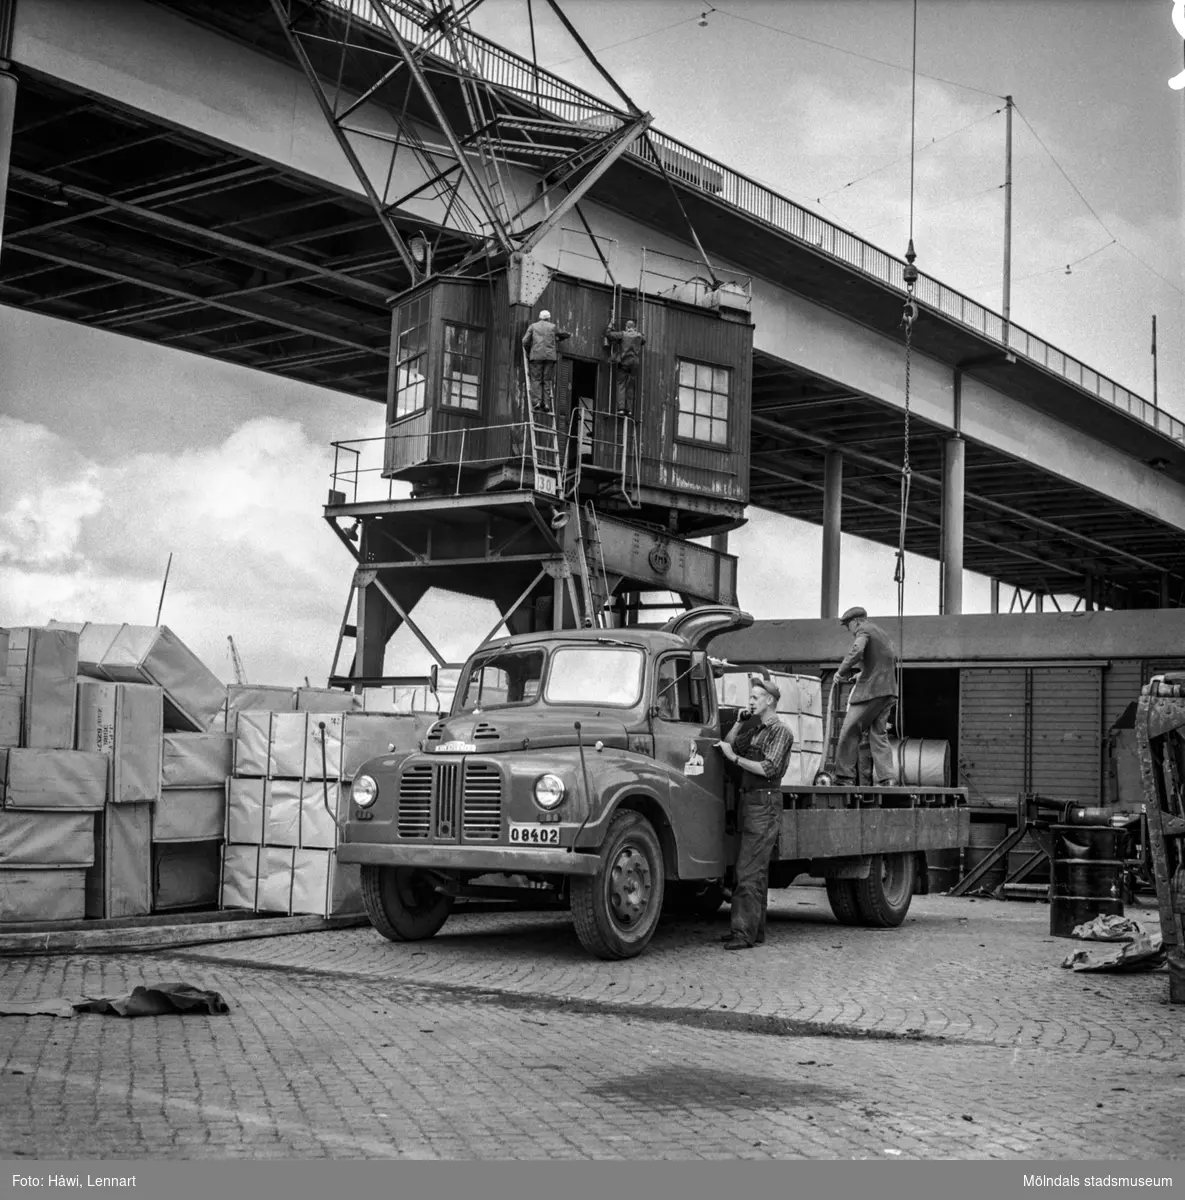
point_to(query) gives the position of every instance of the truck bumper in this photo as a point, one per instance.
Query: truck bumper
(470, 858)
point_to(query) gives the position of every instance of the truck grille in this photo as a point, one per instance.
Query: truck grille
(415, 802)
(445, 801)
(483, 803)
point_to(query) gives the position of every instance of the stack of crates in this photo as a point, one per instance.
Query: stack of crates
(289, 790)
(50, 792)
(800, 709)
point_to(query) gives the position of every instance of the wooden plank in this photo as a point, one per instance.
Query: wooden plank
(157, 937)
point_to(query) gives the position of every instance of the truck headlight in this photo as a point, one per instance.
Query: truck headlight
(549, 791)
(365, 791)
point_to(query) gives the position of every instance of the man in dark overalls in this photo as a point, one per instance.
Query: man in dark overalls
(541, 342)
(762, 763)
(627, 355)
(873, 661)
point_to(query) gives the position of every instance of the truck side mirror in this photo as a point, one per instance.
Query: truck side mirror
(434, 678)
(699, 666)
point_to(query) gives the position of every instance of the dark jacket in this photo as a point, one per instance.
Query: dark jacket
(629, 343)
(540, 341)
(873, 655)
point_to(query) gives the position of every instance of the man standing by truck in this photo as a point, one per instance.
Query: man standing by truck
(873, 660)
(762, 766)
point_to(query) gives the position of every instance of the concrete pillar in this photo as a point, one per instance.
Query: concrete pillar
(1088, 592)
(7, 112)
(953, 493)
(995, 594)
(832, 511)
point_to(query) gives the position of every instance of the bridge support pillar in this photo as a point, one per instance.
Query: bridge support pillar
(832, 506)
(953, 492)
(994, 590)
(7, 113)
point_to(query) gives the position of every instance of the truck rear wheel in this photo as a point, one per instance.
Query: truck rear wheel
(841, 894)
(884, 897)
(616, 910)
(403, 903)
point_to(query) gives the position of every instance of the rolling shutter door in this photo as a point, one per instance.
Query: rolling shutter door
(1066, 721)
(992, 734)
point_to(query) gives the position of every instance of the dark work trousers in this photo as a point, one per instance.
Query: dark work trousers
(761, 813)
(542, 380)
(873, 716)
(627, 387)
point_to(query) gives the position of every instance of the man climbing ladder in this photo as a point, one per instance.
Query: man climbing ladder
(541, 344)
(626, 356)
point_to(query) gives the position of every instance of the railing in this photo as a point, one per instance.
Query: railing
(510, 72)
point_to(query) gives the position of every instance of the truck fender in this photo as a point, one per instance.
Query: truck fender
(642, 797)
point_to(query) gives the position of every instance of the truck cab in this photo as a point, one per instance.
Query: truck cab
(582, 763)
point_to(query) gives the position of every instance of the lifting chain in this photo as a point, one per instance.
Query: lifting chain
(908, 317)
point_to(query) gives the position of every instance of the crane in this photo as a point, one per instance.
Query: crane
(240, 674)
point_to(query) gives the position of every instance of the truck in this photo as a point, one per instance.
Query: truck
(582, 765)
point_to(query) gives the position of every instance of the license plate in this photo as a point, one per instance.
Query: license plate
(532, 834)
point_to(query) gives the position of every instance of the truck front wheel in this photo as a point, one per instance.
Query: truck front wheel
(403, 903)
(616, 910)
(884, 897)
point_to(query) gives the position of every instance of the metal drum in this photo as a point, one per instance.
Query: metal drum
(1087, 875)
(985, 836)
(943, 868)
(922, 762)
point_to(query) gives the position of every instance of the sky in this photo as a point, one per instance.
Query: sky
(115, 453)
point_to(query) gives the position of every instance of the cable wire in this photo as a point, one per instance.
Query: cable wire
(625, 42)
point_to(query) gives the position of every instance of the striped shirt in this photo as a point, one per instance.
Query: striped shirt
(771, 746)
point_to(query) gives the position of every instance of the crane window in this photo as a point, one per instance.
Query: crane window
(703, 402)
(411, 355)
(464, 349)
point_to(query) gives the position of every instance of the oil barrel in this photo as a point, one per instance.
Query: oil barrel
(922, 762)
(943, 869)
(985, 836)
(1087, 875)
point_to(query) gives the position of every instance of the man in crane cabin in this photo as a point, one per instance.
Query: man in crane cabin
(541, 342)
(872, 660)
(626, 353)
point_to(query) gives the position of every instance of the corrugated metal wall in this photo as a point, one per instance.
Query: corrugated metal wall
(1065, 732)
(992, 734)
(1121, 685)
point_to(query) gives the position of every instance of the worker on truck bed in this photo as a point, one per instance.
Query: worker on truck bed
(763, 763)
(873, 660)
(627, 351)
(541, 342)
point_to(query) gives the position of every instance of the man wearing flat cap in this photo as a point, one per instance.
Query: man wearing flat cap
(872, 660)
(541, 342)
(762, 759)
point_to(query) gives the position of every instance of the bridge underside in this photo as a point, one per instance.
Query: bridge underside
(121, 222)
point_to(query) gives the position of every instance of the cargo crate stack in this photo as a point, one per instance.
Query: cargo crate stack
(290, 788)
(800, 708)
(50, 792)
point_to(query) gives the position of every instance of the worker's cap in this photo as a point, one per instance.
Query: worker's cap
(545, 315)
(766, 685)
(852, 614)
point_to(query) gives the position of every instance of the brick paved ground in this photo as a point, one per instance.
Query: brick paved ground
(385, 1051)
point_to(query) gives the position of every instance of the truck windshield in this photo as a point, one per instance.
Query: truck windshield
(507, 677)
(594, 676)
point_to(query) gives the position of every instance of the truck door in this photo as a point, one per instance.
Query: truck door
(685, 737)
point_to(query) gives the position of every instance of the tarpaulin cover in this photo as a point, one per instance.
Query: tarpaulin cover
(244, 811)
(328, 766)
(317, 830)
(286, 750)
(195, 760)
(47, 839)
(281, 821)
(53, 780)
(369, 735)
(311, 699)
(190, 815)
(245, 697)
(93, 643)
(274, 894)
(185, 875)
(240, 877)
(120, 882)
(42, 894)
(194, 696)
(4, 650)
(123, 721)
(1144, 952)
(252, 739)
(323, 887)
(44, 662)
(12, 704)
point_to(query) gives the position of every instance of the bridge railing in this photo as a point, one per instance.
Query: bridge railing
(506, 70)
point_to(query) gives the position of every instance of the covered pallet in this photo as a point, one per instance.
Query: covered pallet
(190, 814)
(311, 699)
(12, 707)
(292, 813)
(94, 640)
(124, 722)
(273, 879)
(43, 665)
(36, 780)
(119, 884)
(288, 745)
(47, 839)
(196, 760)
(42, 894)
(186, 875)
(246, 697)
